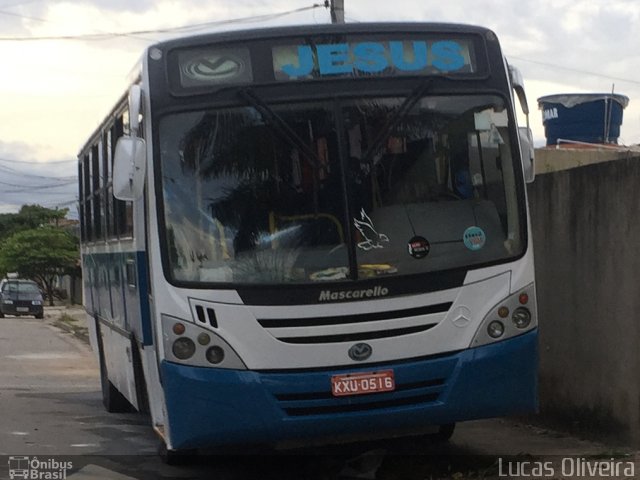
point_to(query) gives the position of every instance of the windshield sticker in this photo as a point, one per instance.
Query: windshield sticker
(368, 270)
(474, 238)
(372, 239)
(419, 247)
(338, 273)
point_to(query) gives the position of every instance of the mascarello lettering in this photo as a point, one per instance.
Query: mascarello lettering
(338, 295)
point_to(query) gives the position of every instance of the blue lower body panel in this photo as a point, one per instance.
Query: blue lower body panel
(208, 407)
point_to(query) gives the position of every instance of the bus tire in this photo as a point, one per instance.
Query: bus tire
(112, 399)
(441, 435)
(444, 434)
(141, 383)
(176, 457)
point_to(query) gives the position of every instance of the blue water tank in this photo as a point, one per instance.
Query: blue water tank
(582, 117)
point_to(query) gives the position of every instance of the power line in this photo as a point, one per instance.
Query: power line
(73, 213)
(65, 203)
(26, 17)
(56, 162)
(183, 28)
(20, 4)
(44, 20)
(53, 185)
(575, 70)
(13, 171)
(30, 190)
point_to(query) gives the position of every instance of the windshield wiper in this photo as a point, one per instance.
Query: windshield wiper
(288, 134)
(279, 124)
(397, 116)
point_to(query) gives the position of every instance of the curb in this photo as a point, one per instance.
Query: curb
(77, 332)
(74, 326)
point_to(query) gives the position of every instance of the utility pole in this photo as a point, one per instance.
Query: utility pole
(337, 11)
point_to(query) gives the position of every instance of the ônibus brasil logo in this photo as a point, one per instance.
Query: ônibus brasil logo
(28, 468)
(332, 296)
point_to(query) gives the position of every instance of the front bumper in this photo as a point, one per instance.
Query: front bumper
(9, 309)
(209, 407)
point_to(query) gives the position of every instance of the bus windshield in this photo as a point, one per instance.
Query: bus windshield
(339, 189)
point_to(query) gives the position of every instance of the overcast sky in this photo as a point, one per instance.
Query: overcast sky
(54, 93)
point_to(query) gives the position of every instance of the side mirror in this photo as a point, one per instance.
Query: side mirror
(528, 154)
(518, 86)
(129, 161)
(135, 104)
(129, 168)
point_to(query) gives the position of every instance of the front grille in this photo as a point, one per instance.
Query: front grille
(357, 337)
(358, 318)
(417, 383)
(355, 327)
(350, 407)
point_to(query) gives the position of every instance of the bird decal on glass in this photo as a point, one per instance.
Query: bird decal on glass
(372, 239)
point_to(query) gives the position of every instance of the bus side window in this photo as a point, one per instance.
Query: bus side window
(132, 281)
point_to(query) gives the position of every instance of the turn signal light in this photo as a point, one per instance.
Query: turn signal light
(179, 328)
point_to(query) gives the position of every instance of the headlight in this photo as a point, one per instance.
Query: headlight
(495, 329)
(8, 302)
(521, 317)
(36, 302)
(190, 344)
(215, 355)
(512, 316)
(183, 348)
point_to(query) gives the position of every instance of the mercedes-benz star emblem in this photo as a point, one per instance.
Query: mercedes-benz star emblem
(360, 351)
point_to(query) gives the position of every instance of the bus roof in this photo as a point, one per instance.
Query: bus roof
(191, 40)
(305, 30)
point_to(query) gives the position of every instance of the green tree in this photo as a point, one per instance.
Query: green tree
(29, 216)
(40, 254)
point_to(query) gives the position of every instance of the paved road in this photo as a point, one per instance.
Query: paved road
(50, 407)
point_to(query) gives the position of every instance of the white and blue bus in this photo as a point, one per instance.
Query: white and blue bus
(311, 234)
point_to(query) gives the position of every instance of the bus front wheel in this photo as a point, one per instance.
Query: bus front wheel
(112, 399)
(444, 433)
(176, 457)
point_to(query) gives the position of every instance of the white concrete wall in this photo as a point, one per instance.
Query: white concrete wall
(586, 228)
